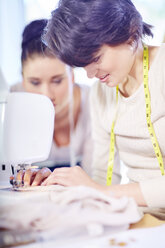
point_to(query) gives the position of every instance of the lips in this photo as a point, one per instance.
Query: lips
(104, 78)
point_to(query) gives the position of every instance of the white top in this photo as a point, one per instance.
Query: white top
(81, 136)
(133, 142)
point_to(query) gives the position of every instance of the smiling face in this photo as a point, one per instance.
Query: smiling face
(112, 64)
(46, 76)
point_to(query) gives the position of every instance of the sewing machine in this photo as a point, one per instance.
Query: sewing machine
(26, 130)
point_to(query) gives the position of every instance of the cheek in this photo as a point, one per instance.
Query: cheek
(109, 64)
(60, 92)
(122, 66)
(28, 87)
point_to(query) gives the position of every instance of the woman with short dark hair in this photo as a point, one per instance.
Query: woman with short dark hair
(127, 104)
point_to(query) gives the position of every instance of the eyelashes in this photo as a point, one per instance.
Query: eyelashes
(96, 59)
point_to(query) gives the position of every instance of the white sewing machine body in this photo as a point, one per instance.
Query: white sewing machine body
(26, 128)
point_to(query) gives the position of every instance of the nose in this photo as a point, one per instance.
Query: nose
(91, 70)
(46, 91)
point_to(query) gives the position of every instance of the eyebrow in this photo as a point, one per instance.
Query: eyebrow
(35, 78)
(59, 75)
(53, 77)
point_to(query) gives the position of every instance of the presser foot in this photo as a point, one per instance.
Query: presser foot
(16, 183)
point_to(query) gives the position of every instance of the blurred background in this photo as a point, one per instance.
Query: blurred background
(15, 14)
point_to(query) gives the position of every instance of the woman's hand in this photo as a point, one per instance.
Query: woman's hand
(71, 176)
(33, 177)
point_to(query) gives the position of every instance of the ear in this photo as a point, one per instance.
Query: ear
(133, 44)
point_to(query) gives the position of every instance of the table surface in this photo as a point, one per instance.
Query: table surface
(147, 221)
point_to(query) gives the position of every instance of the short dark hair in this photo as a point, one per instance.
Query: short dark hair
(78, 28)
(31, 39)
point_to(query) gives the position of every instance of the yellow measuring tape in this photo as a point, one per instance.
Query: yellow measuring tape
(148, 111)
(149, 124)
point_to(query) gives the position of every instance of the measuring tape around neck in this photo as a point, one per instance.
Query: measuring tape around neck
(148, 111)
(149, 124)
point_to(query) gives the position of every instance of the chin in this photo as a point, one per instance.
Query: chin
(111, 84)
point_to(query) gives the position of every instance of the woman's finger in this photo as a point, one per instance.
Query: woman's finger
(20, 175)
(56, 179)
(28, 176)
(40, 176)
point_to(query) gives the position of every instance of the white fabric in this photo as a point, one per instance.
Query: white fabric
(133, 142)
(57, 209)
(81, 136)
(134, 238)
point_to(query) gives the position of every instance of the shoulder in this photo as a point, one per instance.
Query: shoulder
(157, 62)
(84, 89)
(102, 94)
(84, 95)
(157, 54)
(161, 53)
(157, 72)
(97, 91)
(83, 99)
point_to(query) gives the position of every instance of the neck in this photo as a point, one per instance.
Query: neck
(135, 76)
(137, 68)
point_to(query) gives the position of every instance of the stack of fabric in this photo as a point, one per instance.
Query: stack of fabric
(54, 210)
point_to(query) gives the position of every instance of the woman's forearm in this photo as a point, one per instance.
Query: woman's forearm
(130, 190)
